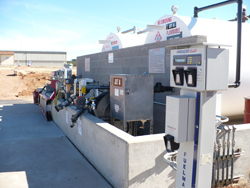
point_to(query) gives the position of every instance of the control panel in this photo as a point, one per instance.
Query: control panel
(180, 118)
(198, 69)
(131, 97)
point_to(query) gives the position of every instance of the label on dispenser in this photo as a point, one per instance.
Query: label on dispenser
(79, 126)
(67, 117)
(121, 92)
(117, 92)
(116, 108)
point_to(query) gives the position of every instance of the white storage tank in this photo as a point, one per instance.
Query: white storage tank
(120, 40)
(218, 32)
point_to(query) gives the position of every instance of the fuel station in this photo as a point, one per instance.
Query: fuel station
(158, 107)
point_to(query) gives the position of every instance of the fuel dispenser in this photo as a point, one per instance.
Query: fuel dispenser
(190, 117)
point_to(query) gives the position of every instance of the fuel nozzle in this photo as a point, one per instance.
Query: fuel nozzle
(86, 102)
(93, 107)
(76, 116)
(59, 107)
(72, 125)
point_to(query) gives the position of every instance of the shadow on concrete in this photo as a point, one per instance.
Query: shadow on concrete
(157, 169)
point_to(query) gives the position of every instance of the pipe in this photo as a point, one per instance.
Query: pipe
(97, 87)
(214, 164)
(129, 30)
(167, 159)
(235, 19)
(225, 119)
(65, 103)
(159, 88)
(197, 10)
(141, 32)
(88, 88)
(228, 154)
(236, 84)
(163, 104)
(135, 125)
(225, 129)
(232, 160)
(96, 93)
(42, 89)
(218, 161)
(75, 83)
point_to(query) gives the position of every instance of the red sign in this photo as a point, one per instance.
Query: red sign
(158, 37)
(166, 20)
(155, 50)
(110, 37)
(117, 82)
(107, 46)
(192, 50)
(173, 31)
(114, 42)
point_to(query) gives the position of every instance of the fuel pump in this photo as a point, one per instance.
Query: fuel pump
(190, 117)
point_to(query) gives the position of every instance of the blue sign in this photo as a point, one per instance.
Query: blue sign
(115, 47)
(183, 51)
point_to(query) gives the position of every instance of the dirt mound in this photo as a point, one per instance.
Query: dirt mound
(21, 87)
(32, 81)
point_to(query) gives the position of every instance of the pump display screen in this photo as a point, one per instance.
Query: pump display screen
(180, 60)
(189, 59)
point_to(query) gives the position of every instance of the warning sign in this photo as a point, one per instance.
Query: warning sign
(111, 58)
(87, 64)
(158, 37)
(156, 60)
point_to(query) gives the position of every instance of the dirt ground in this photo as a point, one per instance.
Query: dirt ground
(240, 184)
(27, 79)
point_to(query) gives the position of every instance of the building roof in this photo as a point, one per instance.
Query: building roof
(6, 53)
(31, 52)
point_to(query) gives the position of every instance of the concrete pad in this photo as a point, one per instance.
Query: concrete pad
(25, 121)
(49, 162)
(13, 180)
(36, 154)
(15, 102)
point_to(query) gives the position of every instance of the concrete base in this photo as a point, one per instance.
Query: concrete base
(127, 161)
(124, 160)
(242, 164)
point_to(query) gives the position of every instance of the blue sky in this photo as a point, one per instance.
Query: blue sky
(76, 26)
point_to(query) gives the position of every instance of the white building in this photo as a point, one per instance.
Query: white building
(33, 58)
